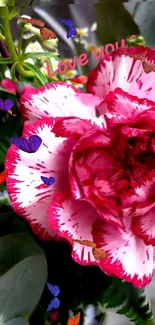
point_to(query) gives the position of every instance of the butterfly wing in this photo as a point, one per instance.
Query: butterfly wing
(69, 23)
(66, 22)
(62, 20)
(70, 321)
(152, 66)
(8, 104)
(34, 142)
(135, 56)
(77, 318)
(45, 180)
(99, 253)
(69, 33)
(146, 67)
(85, 242)
(74, 31)
(21, 143)
(32, 21)
(56, 303)
(1, 104)
(37, 22)
(51, 305)
(47, 33)
(55, 290)
(51, 180)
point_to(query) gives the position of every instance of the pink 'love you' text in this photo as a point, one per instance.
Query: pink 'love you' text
(83, 59)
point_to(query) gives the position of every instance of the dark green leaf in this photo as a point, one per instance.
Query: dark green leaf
(1, 28)
(6, 60)
(38, 55)
(16, 321)
(36, 72)
(23, 270)
(10, 223)
(14, 12)
(13, 72)
(113, 22)
(129, 301)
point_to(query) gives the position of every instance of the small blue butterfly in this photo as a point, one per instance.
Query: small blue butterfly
(31, 145)
(48, 181)
(55, 302)
(6, 104)
(71, 31)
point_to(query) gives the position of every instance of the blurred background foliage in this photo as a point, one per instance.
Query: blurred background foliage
(81, 285)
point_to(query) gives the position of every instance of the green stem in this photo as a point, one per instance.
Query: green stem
(29, 40)
(2, 38)
(11, 47)
(20, 41)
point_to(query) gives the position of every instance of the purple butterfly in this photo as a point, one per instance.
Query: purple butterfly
(71, 31)
(55, 302)
(31, 145)
(6, 105)
(48, 181)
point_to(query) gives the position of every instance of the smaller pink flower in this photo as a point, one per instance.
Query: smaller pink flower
(8, 85)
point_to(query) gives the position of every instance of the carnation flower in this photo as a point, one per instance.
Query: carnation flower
(104, 190)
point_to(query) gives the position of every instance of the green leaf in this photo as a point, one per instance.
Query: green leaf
(113, 22)
(6, 60)
(14, 12)
(4, 199)
(23, 270)
(1, 28)
(10, 223)
(36, 72)
(129, 301)
(16, 321)
(37, 55)
(13, 72)
(4, 3)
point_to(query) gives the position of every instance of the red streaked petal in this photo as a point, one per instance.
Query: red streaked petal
(144, 226)
(73, 219)
(57, 99)
(117, 70)
(128, 256)
(76, 127)
(29, 196)
(125, 108)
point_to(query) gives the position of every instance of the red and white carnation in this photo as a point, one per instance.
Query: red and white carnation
(104, 167)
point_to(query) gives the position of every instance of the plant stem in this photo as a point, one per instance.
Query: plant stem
(2, 38)
(20, 41)
(10, 45)
(29, 40)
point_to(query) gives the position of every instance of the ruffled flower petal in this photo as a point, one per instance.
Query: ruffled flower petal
(29, 196)
(128, 256)
(76, 127)
(125, 108)
(73, 219)
(57, 99)
(117, 70)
